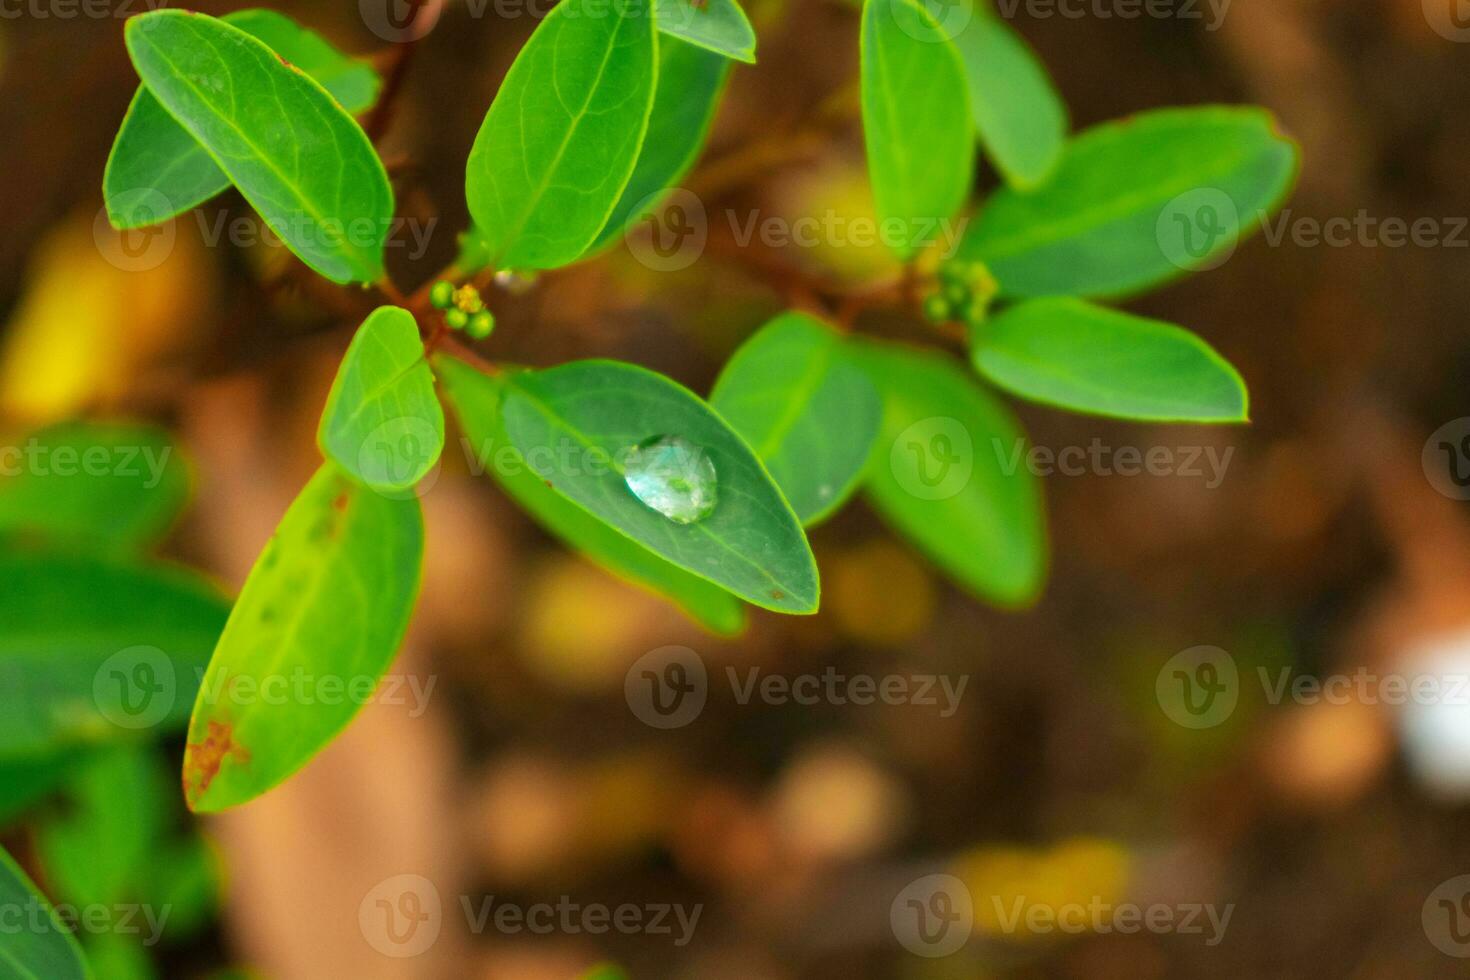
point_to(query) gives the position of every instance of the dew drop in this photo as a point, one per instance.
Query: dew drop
(672, 476)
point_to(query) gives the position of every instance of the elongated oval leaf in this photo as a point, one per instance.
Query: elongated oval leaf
(383, 422)
(948, 471)
(97, 649)
(476, 398)
(324, 609)
(575, 426)
(157, 170)
(690, 81)
(41, 947)
(916, 122)
(561, 138)
(1137, 202)
(114, 487)
(1021, 119)
(715, 25)
(296, 156)
(1072, 354)
(807, 410)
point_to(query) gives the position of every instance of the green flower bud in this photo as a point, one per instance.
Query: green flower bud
(938, 309)
(480, 325)
(456, 318)
(441, 295)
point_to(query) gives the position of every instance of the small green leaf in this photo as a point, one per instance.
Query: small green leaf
(715, 25)
(806, 409)
(100, 848)
(383, 422)
(41, 947)
(326, 605)
(157, 170)
(540, 192)
(576, 425)
(1072, 354)
(1021, 119)
(296, 156)
(476, 398)
(690, 81)
(114, 487)
(948, 471)
(916, 122)
(1137, 202)
(97, 648)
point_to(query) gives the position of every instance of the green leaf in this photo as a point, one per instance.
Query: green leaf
(1021, 119)
(113, 487)
(96, 648)
(948, 471)
(476, 398)
(575, 425)
(119, 957)
(916, 122)
(1072, 354)
(185, 878)
(383, 422)
(1137, 202)
(563, 134)
(102, 846)
(806, 409)
(41, 948)
(157, 170)
(25, 782)
(690, 81)
(325, 606)
(296, 156)
(715, 25)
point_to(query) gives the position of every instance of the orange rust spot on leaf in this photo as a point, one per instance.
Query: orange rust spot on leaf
(339, 502)
(203, 759)
(777, 594)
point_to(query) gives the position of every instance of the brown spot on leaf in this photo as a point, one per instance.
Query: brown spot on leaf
(777, 594)
(202, 760)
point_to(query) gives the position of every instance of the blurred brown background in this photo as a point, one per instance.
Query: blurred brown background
(1060, 779)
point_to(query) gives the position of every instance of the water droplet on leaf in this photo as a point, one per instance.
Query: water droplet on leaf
(674, 477)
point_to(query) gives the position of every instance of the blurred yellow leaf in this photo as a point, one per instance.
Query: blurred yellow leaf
(98, 307)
